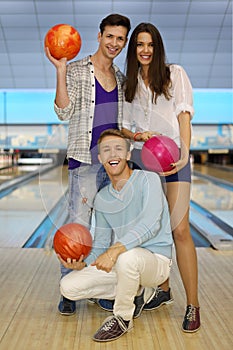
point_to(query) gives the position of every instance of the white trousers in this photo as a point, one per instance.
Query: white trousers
(134, 269)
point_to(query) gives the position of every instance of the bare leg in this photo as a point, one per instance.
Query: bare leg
(178, 196)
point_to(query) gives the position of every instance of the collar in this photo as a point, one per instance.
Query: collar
(87, 60)
(121, 194)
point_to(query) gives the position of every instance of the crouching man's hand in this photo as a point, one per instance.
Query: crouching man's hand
(73, 264)
(107, 260)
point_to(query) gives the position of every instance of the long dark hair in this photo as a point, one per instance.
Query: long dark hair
(159, 73)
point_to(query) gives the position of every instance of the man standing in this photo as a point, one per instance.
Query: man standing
(131, 253)
(89, 95)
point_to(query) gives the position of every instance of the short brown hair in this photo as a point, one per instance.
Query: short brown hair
(113, 132)
(115, 20)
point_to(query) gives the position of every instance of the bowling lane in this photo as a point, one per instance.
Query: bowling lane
(26, 207)
(212, 206)
(223, 173)
(13, 172)
(215, 196)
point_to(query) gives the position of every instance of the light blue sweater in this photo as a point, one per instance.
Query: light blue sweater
(137, 216)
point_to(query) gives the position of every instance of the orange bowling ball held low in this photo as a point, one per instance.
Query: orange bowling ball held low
(63, 40)
(72, 240)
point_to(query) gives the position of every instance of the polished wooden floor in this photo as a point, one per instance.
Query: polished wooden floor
(29, 291)
(29, 319)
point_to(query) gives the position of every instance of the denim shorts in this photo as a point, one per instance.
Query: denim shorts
(183, 175)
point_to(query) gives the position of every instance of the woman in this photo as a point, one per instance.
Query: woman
(158, 100)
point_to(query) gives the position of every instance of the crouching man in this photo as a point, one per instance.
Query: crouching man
(131, 253)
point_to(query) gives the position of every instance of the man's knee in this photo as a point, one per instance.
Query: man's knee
(128, 259)
(68, 288)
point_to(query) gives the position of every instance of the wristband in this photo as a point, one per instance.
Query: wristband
(135, 135)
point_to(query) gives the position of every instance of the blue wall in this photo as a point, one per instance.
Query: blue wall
(213, 107)
(27, 107)
(36, 107)
(28, 120)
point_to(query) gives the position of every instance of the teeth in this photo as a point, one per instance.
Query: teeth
(113, 162)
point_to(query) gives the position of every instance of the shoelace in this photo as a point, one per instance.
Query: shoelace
(158, 290)
(191, 314)
(109, 324)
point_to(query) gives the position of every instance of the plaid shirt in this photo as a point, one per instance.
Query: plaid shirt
(80, 83)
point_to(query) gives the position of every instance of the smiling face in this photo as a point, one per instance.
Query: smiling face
(113, 154)
(112, 41)
(145, 48)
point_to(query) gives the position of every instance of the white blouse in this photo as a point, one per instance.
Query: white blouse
(143, 115)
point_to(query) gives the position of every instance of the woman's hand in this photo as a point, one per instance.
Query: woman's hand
(175, 167)
(144, 136)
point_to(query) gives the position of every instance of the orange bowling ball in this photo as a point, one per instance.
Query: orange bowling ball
(63, 40)
(72, 240)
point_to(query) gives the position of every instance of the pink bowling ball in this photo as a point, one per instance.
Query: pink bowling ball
(159, 152)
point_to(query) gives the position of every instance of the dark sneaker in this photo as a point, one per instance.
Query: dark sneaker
(140, 303)
(108, 305)
(191, 321)
(105, 304)
(67, 307)
(112, 328)
(92, 300)
(160, 298)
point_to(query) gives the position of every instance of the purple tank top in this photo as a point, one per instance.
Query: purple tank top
(105, 117)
